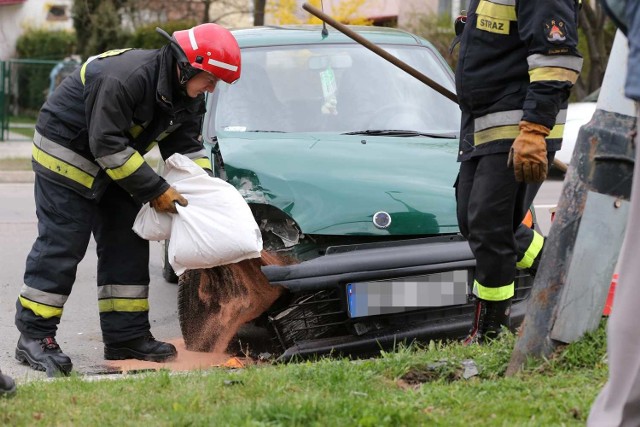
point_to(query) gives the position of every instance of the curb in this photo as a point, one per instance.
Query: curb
(16, 177)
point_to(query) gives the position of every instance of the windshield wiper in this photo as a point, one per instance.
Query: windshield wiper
(397, 132)
(265, 131)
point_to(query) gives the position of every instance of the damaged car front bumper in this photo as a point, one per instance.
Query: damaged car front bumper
(359, 299)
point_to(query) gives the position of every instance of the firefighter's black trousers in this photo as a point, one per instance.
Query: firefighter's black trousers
(491, 206)
(65, 223)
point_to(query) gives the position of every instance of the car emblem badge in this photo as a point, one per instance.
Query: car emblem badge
(381, 219)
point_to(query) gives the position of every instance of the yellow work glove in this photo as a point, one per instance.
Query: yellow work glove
(167, 200)
(528, 154)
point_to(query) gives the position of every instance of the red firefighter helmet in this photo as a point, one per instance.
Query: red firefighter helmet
(211, 48)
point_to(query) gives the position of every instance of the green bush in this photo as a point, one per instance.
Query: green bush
(106, 30)
(146, 37)
(37, 45)
(33, 78)
(437, 29)
(44, 44)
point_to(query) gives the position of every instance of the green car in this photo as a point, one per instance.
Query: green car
(348, 164)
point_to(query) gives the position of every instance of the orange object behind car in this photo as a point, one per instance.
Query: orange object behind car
(606, 311)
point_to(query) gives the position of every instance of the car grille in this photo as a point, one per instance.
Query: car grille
(310, 316)
(323, 314)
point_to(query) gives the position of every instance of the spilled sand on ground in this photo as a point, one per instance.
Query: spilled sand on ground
(234, 294)
(186, 361)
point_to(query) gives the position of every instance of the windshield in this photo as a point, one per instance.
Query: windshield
(334, 88)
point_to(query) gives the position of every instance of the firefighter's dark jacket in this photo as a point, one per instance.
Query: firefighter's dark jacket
(518, 61)
(98, 124)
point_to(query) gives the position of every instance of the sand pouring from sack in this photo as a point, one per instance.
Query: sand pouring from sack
(243, 293)
(235, 294)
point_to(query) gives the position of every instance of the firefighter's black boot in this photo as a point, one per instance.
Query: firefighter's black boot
(43, 354)
(488, 319)
(7, 385)
(143, 348)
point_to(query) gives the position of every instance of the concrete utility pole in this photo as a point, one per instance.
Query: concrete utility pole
(581, 251)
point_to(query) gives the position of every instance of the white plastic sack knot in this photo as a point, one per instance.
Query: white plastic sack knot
(216, 228)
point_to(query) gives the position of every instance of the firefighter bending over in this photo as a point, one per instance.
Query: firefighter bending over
(91, 177)
(518, 61)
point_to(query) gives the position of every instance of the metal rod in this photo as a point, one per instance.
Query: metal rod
(381, 52)
(395, 61)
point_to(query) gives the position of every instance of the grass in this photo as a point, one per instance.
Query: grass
(411, 386)
(26, 132)
(23, 119)
(22, 125)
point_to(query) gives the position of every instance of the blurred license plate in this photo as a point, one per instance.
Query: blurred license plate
(408, 293)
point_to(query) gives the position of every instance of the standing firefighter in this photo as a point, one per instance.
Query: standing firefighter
(91, 177)
(518, 61)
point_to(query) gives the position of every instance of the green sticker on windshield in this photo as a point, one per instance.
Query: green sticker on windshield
(329, 88)
(328, 79)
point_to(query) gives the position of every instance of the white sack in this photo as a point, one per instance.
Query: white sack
(216, 228)
(151, 224)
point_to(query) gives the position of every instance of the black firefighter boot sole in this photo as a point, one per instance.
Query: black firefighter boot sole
(41, 356)
(145, 348)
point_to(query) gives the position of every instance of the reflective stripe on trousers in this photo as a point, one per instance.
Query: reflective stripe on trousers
(490, 208)
(66, 221)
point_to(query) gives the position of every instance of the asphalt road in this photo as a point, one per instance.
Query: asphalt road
(79, 331)
(545, 201)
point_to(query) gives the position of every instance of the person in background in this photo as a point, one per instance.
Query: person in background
(91, 178)
(61, 70)
(618, 403)
(517, 63)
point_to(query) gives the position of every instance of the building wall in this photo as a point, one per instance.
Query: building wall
(16, 18)
(402, 11)
(238, 14)
(231, 13)
(409, 9)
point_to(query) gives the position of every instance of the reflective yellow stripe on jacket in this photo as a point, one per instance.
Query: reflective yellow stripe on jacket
(203, 162)
(200, 158)
(113, 52)
(122, 164)
(502, 9)
(63, 161)
(495, 16)
(505, 125)
(554, 67)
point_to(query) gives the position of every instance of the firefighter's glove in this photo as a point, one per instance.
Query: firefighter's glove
(528, 154)
(167, 200)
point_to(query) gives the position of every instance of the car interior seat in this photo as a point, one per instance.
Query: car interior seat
(251, 104)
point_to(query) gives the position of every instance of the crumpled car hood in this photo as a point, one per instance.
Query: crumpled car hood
(334, 184)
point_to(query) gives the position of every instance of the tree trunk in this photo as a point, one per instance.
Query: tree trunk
(258, 12)
(206, 17)
(599, 39)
